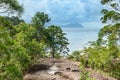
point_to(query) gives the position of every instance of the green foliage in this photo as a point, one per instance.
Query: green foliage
(84, 74)
(112, 34)
(57, 55)
(57, 42)
(24, 37)
(102, 58)
(19, 47)
(14, 20)
(104, 54)
(22, 44)
(75, 56)
(9, 23)
(8, 64)
(38, 21)
(112, 14)
(4, 22)
(18, 52)
(52, 36)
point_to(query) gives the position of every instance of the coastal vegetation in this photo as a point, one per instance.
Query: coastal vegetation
(104, 53)
(22, 44)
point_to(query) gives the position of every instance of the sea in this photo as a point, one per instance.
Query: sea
(79, 37)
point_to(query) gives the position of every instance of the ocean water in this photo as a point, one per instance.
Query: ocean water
(78, 38)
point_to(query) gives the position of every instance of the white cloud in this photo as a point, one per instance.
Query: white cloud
(32, 6)
(63, 10)
(55, 1)
(76, 8)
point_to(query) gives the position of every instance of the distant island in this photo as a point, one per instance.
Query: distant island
(73, 25)
(69, 25)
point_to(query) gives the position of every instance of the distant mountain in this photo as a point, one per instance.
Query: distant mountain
(70, 25)
(73, 25)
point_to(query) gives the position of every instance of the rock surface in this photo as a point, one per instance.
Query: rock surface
(53, 69)
(59, 69)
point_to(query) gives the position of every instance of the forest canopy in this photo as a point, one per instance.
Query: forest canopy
(21, 43)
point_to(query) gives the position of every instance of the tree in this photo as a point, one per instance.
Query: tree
(11, 6)
(112, 13)
(14, 20)
(39, 21)
(11, 56)
(56, 40)
(10, 22)
(110, 34)
(53, 36)
(18, 52)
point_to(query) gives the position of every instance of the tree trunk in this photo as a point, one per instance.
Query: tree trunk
(53, 52)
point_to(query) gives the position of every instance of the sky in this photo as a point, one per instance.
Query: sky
(86, 12)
